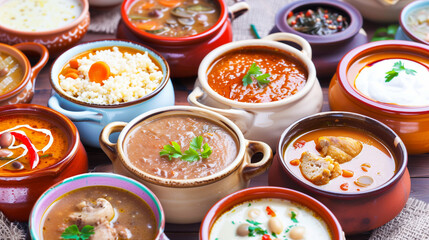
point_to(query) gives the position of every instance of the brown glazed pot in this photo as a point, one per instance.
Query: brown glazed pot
(358, 211)
(18, 193)
(24, 92)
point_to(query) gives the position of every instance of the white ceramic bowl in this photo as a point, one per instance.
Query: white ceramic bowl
(382, 11)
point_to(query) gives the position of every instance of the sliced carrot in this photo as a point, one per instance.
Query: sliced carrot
(151, 25)
(347, 173)
(71, 70)
(147, 5)
(74, 64)
(72, 75)
(170, 3)
(98, 72)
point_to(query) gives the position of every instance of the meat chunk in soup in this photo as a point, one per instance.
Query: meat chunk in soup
(341, 149)
(104, 231)
(92, 214)
(317, 169)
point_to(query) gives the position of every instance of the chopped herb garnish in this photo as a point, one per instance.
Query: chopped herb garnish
(46, 155)
(253, 230)
(293, 217)
(253, 222)
(72, 232)
(398, 67)
(249, 205)
(194, 153)
(255, 73)
(233, 222)
(274, 234)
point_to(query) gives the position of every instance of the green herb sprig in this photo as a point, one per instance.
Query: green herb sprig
(72, 232)
(255, 228)
(255, 73)
(194, 153)
(398, 67)
(293, 217)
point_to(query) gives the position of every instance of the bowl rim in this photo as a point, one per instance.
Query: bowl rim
(107, 175)
(183, 183)
(356, 54)
(344, 195)
(223, 16)
(27, 68)
(404, 14)
(77, 21)
(111, 43)
(292, 52)
(69, 130)
(262, 192)
(349, 32)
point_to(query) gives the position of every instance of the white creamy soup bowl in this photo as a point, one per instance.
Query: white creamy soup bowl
(262, 121)
(187, 200)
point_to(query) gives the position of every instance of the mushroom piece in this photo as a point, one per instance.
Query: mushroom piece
(4, 72)
(186, 21)
(91, 213)
(181, 13)
(103, 231)
(200, 8)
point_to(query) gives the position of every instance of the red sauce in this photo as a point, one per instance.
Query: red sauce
(287, 76)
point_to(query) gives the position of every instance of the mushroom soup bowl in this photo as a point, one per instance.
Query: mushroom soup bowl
(413, 21)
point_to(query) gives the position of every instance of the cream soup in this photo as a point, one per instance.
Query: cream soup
(269, 219)
(39, 15)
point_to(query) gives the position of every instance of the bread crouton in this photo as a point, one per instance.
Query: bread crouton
(341, 149)
(317, 169)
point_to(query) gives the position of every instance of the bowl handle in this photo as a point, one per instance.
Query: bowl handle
(38, 48)
(237, 9)
(74, 116)
(252, 170)
(281, 36)
(241, 118)
(106, 145)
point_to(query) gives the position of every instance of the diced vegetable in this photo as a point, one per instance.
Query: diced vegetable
(98, 72)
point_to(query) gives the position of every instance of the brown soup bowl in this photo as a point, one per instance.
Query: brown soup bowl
(24, 92)
(357, 211)
(187, 200)
(255, 193)
(410, 123)
(20, 190)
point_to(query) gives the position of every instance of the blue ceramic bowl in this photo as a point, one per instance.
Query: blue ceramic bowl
(403, 32)
(90, 118)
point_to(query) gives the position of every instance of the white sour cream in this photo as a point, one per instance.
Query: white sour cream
(225, 227)
(38, 15)
(404, 89)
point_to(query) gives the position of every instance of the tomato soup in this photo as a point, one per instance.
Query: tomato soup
(286, 75)
(371, 167)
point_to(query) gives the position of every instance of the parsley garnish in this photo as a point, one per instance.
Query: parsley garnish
(293, 217)
(397, 67)
(194, 153)
(72, 232)
(253, 222)
(255, 72)
(255, 229)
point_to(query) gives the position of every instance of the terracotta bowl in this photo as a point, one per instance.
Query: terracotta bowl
(24, 92)
(404, 32)
(382, 11)
(187, 200)
(356, 211)
(19, 192)
(411, 123)
(55, 40)
(324, 59)
(184, 54)
(255, 193)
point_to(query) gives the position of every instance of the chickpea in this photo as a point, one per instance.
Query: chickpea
(297, 233)
(5, 139)
(275, 225)
(243, 230)
(254, 213)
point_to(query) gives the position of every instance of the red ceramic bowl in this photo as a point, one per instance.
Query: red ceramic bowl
(410, 123)
(19, 192)
(184, 54)
(254, 193)
(356, 211)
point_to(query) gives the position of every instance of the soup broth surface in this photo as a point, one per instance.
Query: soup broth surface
(11, 73)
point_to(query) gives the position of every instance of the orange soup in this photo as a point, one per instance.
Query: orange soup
(282, 76)
(11, 73)
(373, 165)
(30, 143)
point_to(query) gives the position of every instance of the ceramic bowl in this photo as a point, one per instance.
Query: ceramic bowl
(356, 211)
(192, 197)
(184, 54)
(411, 123)
(18, 193)
(24, 92)
(55, 40)
(94, 179)
(257, 119)
(91, 118)
(255, 193)
(324, 58)
(381, 11)
(403, 32)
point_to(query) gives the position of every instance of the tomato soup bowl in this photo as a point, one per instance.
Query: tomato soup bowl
(262, 121)
(357, 211)
(19, 192)
(24, 92)
(56, 40)
(255, 193)
(187, 200)
(91, 118)
(410, 123)
(184, 54)
(38, 213)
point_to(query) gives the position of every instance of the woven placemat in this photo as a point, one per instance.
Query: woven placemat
(105, 20)
(10, 231)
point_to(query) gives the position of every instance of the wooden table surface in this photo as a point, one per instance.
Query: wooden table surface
(418, 165)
